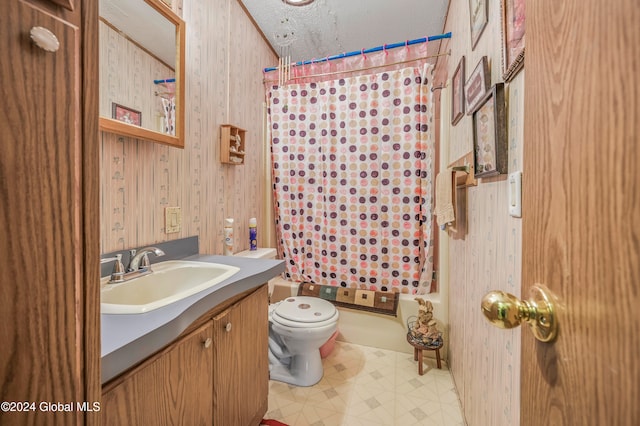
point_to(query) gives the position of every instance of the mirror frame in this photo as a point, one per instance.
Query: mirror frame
(125, 129)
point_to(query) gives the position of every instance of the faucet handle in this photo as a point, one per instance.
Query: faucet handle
(110, 259)
(118, 270)
(117, 275)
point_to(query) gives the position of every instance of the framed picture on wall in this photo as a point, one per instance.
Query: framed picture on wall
(490, 134)
(457, 93)
(477, 85)
(512, 32)
(479, 17)
(126, 114)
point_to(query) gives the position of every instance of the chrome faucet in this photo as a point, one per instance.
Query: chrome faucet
(140, 260)
(139, 265)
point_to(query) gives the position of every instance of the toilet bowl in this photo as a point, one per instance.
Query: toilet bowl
(298, 327)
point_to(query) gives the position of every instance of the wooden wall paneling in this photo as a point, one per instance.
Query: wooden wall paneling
(247, 95)
(162, 184)
(457, 274)
(130, 202)
(144, 191)
(487, 255)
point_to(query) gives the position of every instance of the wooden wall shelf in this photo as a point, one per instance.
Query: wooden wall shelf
(232, 144)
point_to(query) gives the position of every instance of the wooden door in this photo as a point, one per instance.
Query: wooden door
(241, 367)
(581, 210)
(49, 243)
(172, 389)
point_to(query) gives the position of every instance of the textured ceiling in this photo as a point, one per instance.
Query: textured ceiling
(329, 27)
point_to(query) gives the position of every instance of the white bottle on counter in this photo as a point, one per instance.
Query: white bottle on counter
(228, 237)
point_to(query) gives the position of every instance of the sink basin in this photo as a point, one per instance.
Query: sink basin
(169, 282)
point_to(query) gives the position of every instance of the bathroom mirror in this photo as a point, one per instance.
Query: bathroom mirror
(142, 70)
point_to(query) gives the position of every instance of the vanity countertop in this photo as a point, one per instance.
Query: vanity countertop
(130, 338)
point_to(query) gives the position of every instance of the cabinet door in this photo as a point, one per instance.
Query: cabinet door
(241, 367)
(49, 243)
(174, 388)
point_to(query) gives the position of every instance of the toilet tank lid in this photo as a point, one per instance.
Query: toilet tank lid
(261, 253)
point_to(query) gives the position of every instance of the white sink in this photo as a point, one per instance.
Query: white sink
(169, 282)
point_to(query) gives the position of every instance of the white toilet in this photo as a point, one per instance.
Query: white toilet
(298, 327)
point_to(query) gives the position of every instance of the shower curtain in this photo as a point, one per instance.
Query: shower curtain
(352, 174)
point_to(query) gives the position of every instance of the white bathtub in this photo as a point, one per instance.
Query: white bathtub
(374, 330)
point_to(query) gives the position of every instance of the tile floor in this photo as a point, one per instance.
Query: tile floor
(369, 386)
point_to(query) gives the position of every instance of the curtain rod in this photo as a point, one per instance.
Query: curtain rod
(167, 80)
(302, 77)
(371, 50)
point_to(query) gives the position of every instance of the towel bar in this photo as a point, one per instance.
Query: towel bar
(461, 169)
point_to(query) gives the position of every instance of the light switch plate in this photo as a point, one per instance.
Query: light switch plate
(515, 194)
(172, 220)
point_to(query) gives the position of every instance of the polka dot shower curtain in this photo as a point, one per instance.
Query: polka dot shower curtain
(352, 173)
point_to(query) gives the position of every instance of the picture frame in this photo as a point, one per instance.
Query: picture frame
(126, 114)
(479, 15)
(477, 85)
(490, 134)
(457, 93)
(512, 32)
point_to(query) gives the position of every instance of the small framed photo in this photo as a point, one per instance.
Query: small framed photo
(479, 17)
(457, 93)
(512, 32)
(126, 114)
(490, 134)
(477, 85)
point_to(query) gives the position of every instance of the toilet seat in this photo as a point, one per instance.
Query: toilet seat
(304, 312)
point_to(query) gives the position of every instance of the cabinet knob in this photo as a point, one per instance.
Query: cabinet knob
(228, 327)
(44, 39)
(207, 343)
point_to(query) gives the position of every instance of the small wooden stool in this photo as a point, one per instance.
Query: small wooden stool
(417, 352)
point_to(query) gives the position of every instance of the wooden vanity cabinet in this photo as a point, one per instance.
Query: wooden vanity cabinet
(217, 373)
(172, 388)
(240, 363)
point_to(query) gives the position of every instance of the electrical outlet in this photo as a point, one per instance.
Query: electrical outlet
(172, 219)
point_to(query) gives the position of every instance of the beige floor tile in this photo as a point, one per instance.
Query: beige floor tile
(369, 386)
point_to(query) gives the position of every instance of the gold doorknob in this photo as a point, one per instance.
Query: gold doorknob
(505, 310)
